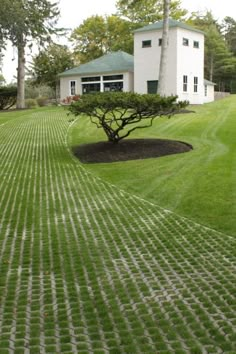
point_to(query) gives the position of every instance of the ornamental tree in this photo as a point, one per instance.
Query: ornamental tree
(121, 113)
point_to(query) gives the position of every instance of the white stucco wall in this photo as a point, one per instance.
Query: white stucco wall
(65, 86)
(182, 60)
(128, 78)
(147, 61)
(210, 93)
(128, 82)
(190, 62)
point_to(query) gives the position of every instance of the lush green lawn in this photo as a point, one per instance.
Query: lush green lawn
(201, 184)
(86, 267)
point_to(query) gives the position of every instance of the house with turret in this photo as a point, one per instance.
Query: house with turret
(119, 71)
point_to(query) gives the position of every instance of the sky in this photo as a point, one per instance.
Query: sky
(74, 12)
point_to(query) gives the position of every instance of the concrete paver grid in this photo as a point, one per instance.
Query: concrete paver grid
(86, 267)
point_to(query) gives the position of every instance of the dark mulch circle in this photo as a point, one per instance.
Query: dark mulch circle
(130, 149)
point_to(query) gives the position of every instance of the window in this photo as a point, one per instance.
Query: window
(195, 44)
(72, 88)
(205, 90)
(90, 88)
(152, 86)
(90, 79)
(113, 86)
(185, 42)
(112, 77)
(160, 42)
(185, 83)
(146, 44)
(195, 84)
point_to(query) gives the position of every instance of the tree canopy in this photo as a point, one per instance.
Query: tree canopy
(220, 61)
(120, 113)
(49, 63)
(144, 12)
(97, 35)
(228, 29)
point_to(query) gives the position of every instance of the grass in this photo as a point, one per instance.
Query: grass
(201, 184)
(86, 267)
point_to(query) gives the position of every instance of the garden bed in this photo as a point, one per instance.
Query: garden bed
(130, 149)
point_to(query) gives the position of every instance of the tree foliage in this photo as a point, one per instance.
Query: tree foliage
(8, 96)
(220, 63)
(144, 12)
(97, 35)
(38, 91)
(49, 63)
(228, 29)
(120, 113)
(23, 21)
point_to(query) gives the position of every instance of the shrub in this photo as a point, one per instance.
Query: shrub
(115, 111)
(30, 103)
(8, 96)
(42, 101)
(33, 91)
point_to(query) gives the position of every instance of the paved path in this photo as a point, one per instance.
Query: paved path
(87, 268)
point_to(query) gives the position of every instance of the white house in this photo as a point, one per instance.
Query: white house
(185, 60)
(139, 73)
(111, 72)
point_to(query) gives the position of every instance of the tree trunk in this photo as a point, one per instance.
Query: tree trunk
(164, 48)
(20, 103)
(211, 67)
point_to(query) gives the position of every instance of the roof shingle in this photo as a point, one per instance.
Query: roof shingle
(108, 63)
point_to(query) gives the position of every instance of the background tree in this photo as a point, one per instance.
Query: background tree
(144, 12)
(219, 65)
(120, 113)
(228, 29)
(49, 63)
(97, 35)
(23, 21)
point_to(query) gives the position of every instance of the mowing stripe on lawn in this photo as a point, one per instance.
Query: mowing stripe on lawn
(87, 268)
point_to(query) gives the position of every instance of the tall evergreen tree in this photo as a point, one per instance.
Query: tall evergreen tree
(228, 28)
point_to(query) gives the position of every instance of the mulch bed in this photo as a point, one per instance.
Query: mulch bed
(130, 149)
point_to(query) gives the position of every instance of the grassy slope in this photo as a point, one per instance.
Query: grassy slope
(201, 184)
(86, 268)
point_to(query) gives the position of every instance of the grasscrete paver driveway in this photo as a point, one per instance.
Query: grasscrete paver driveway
(87, 268)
